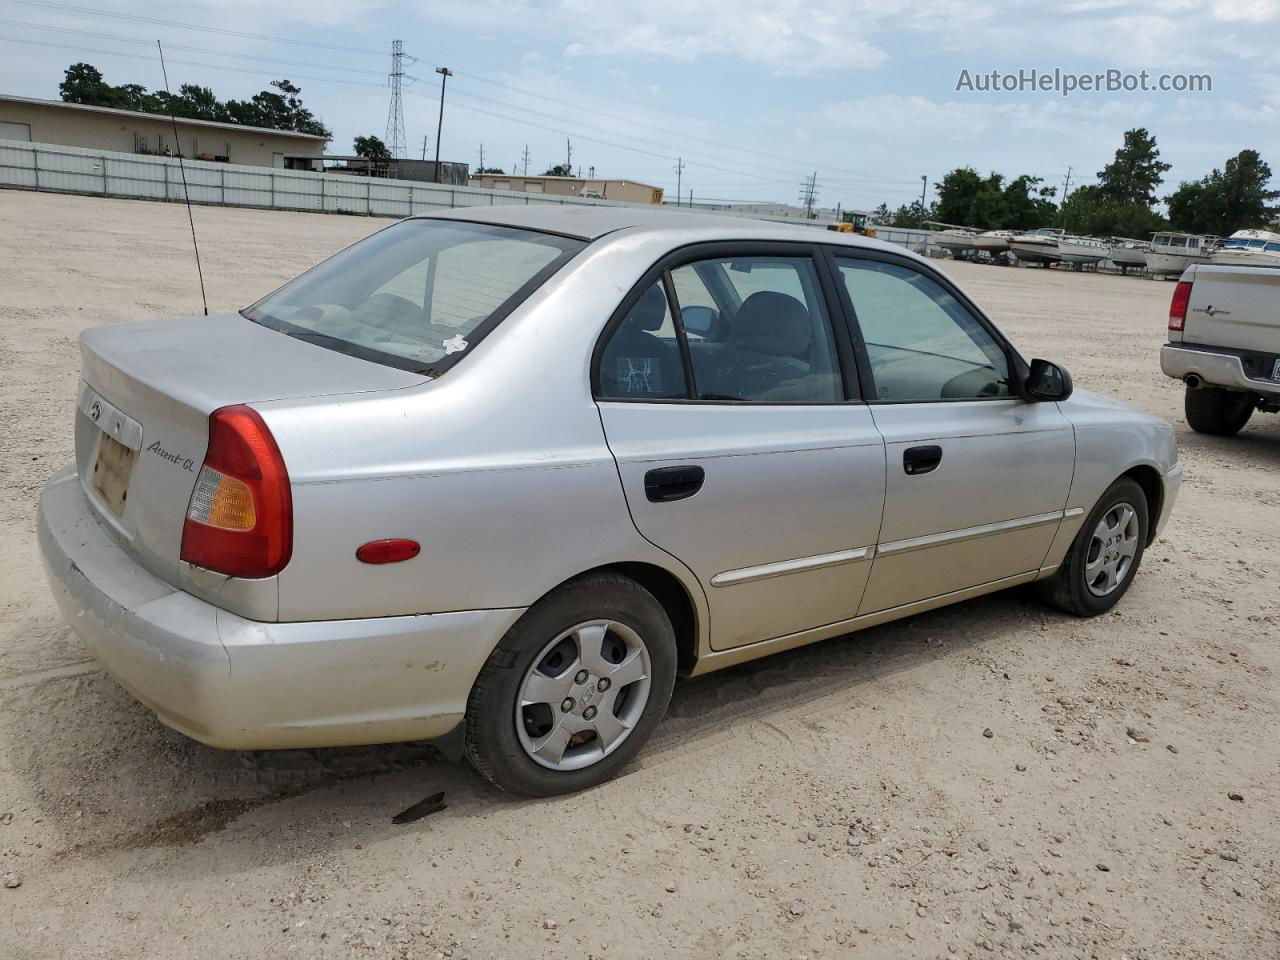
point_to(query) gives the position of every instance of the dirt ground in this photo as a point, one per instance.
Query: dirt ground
(836, 801)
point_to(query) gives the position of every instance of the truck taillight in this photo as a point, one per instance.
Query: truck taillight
(240, 519)
(1178, 306)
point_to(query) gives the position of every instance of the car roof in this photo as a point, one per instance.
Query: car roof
(591, 221)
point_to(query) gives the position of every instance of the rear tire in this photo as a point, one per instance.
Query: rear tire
(1089, 581)
(1222, 413)
(540, 721)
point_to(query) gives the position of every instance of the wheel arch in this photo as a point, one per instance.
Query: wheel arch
(677, 599)
(1149, 479)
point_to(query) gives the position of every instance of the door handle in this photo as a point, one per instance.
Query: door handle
(673, 483)
(918, 460)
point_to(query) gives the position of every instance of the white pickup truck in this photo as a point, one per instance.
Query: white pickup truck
(1224, 344)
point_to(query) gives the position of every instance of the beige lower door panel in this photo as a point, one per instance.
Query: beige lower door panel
(896, 576)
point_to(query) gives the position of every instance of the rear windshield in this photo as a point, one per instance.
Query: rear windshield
(417, 295)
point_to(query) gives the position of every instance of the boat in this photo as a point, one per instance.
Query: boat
(959, 240)
(1127, 253)
(1249, 248)
(1171, 253)
(993, 241)
(1079, 251)
(1038, 246)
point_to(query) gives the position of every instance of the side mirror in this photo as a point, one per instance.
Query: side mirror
(1047, 381)
(699, 320)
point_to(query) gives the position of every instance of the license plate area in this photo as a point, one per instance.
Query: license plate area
(111, 470)
(1275, 369)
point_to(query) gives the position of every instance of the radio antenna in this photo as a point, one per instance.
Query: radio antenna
(177, 142)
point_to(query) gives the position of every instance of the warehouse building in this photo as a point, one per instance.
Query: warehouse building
(128, 131)
(619, 191)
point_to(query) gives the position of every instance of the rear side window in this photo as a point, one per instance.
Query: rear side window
(418, 294)
(642, 359)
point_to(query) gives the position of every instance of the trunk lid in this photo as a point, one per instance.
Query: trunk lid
(142, 417)
(1236, 307)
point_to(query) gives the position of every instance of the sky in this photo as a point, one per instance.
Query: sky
(749, 96)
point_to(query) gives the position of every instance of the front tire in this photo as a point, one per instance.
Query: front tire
(1102, 562)
(574, 689)
(1222, 413)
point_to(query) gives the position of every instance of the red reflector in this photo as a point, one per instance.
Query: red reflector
(1178, 306)
(388, 551)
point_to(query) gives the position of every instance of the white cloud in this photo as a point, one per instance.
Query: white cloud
(1249, 11)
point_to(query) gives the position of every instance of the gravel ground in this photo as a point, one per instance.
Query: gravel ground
(839, 800)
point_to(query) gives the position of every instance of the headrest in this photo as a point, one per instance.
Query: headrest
(773, 323)
(650, 310)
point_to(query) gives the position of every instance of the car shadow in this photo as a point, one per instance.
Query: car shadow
(94, 757)
(1258, 444)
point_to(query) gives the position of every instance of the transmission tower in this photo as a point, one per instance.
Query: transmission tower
(808, 193)
(395, 113)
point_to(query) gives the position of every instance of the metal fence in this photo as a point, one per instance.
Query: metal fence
(135, 176)
(38, 166)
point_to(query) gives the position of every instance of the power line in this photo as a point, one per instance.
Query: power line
(190, 63)
(633, 122)
(177, 46)
(772, 177)
(139, 18)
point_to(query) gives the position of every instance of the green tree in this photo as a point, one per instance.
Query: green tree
(1025, 203)
(1088, 211)
(1135, 173)
(1233, 198)
(371, 147)
(278, 109)
(958, 195)
(912, 216)
(489, 170)
(559, 170)
(84, 83)
(881, 214)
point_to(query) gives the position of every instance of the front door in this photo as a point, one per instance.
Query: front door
(976, 478)
(728, 401)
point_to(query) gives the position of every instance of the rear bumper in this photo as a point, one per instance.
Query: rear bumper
(1217, 368)
(231, 682)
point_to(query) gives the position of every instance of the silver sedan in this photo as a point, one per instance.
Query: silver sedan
(495, 477)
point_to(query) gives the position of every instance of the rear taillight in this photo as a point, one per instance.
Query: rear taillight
(240, 521)
(1178, 306)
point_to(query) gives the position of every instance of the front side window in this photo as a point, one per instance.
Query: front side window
(923, 344)
(418, 294)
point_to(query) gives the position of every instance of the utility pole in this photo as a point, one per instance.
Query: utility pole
(679, 176)
(924, 184)
(1066, 189)
(568, 156)
(481, 158)
(395, 113)
(809, 191)
(445, 74)
(526, 160)
(424, 146)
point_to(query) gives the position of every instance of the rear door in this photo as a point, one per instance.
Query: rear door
(730, 403)
(976, 478)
